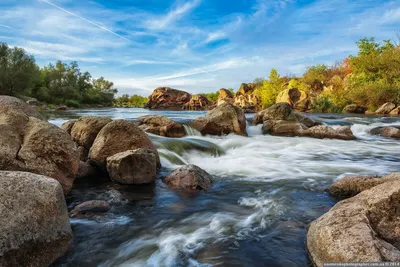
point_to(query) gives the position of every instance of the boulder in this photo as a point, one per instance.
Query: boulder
(350, 186)
(161, 125)
(225, 96)
(281, 120)
(189, 177)
(354, 108)
(62, 108)
(119, 136)
(133, 167)
(85, 170)
(395, 112)
(90, 207)
(33, 145)
(296, 98)
(385, 108)
(167, 98)
(19, 105)
(84, 131)
(197, 102)
(246, 98)
(67, 126)
(224, 119)
(387, 131)
(364, 228)
(34, 223)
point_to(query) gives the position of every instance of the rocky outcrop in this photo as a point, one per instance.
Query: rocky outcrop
(224, 119)
(395, 112)
(167, 98)
(246, 99)
(350, 186)
(385, 108)
(189, 177)
(33, 145)
(364, 228)
(281, 120)
(387, 131)
(119, 136)
(160, 125)
(225, 96)
(296, 98)
(34, 225)
(90, 207)
(197, 102)
(19, 105)
(133, 167)
(354, 108)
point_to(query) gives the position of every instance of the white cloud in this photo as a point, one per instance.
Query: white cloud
(214, 36)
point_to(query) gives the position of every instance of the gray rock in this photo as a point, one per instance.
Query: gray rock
(19, 105)
(189, 177)
(90, 207)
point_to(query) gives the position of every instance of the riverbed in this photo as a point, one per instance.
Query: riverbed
(267, 190)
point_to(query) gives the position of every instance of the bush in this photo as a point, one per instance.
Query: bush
(72, 103)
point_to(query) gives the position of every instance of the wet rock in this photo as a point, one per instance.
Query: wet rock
(116, 198)
(189, 177)
(296, 98)
(167, 98)
(33, 145)
(161, 125)
(197, 102)
(387, 131)
(224, 119)
(354, 108)
(19, 105)
(364, 228)
(385, 108)
(85, 130)
(350, 186)
(133, 167)
(119, 136)
(90, 207)
(281, 120)
(34, 226)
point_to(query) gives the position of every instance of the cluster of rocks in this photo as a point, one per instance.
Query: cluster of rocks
(386, 109)
(362, 228)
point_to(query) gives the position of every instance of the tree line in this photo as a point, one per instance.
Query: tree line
(54, 84)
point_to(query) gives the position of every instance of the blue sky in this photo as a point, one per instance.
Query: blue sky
(196, 45)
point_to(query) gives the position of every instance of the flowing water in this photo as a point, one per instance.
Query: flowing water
(267, 190)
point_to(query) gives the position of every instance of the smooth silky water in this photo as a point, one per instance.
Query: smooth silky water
(267, 190)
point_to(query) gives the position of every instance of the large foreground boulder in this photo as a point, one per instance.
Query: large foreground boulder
(281, 120)
(33, 145)
(387, 131)
(224, 119)
(167, 98)
(133, 167)
(364, 228)
(119, 136)
(189, 177)
(385, 108)
(296, 98)
(161, 125)
(19, 105)
(34, 225)
(354, 108)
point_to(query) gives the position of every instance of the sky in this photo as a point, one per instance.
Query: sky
(198, 46)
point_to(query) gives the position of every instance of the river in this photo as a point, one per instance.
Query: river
(267, 190)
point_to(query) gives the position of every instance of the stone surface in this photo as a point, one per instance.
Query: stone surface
(34, 223)
(354, 108)
(225, 96)
(133, 167)
(67, 126)
(19, 105)
(224, 119)
(197, 102)
(62, 108)
(364, 228)
(33, 145)
(167, 98)
(246, 99)
(350, 186)
(90, 207)
(385, 108)
(395, 112)
(189, 177)
(161, 125)
(84, 131)
(86, 170)
(119, 136)
(387, 131)
(324, 131)
(296, 98)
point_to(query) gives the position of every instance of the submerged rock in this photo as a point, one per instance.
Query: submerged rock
(90, 207)
(364, 228)
(385, 108)
(19, 105)
(189, 177)
(33, 145)
(281, 120)
(224, 119)
(161, 125)
(167, 98)
(350, 186)
(387, 131)
(119, 136)
(296, 98)
(133, 167)
(34, 226)
(354, 108)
